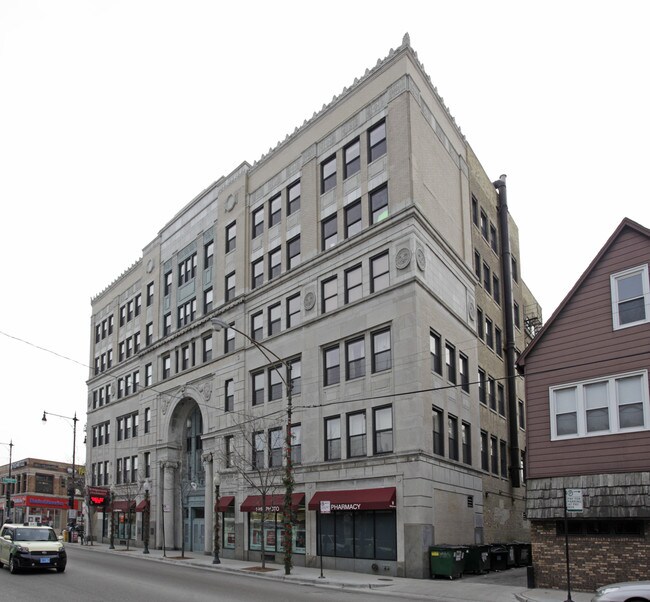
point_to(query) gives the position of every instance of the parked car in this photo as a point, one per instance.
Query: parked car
(630, 591)
(31, 547)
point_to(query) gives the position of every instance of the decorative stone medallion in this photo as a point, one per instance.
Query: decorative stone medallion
(150, 266)
(403, 258)
(231, 201)
(420, 259)
(310, 300)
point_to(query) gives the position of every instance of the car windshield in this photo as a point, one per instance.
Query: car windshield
(35, 535)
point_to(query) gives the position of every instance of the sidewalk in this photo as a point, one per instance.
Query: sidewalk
(467, 589)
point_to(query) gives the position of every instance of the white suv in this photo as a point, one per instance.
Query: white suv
(31, 547)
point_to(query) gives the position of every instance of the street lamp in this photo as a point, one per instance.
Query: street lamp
(146, 517)
(9, 483)
(71, 490)
(218, 324)
(217, 542)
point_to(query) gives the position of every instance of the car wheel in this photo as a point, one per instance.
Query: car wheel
(14, 566)
(637, 600)
(60, 569)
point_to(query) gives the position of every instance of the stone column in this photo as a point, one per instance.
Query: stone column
(169, 502)
(209, 502)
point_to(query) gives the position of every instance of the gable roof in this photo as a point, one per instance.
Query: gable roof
(627, 223)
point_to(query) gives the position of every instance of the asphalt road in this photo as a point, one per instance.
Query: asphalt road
(115, 578)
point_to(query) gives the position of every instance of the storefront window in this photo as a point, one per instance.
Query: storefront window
(273, 531)
(228, 522)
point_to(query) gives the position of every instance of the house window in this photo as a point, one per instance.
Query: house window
(186, 313)
(630, 297)
(329, 232)
(149, 333)
(600, 406)
(357, 435)
(275, 383)
(450, 362)
(353, 219)
(381, 359)
(474, 211)
(186, 270)
(208, 298)
(477, 264)
(333, 438)
(229, 340)
(293, 252)
(148, 375)
(147, 465)
(480, 323)
(258, 387)
(501, 399)
(503, 457)
(275, 263)
(259, 445)
(229, 395)
(489, 333)
(293, 310)
(496, 289)
(498, 341)
(521, 414)
(257, 222)
(230, 286)
(275, 447)
(494, 455)
(466, 442)
(438, 432)
(168, 283)
(492, 393)
(207, 348)
(464, 372)
(494, 242)
(275, 210)
(229, 444)
(167, 366)
(293, 198)
(353, 284)
(150, 288)
(208, 255)
(257, 326)
(484, 451)
(231, 237)
(379, 205)
(296, 443)
(435, 347)
(484, 225)
(275, 315)
(329, 294)
(355, 359)
(487, 278)
(515, 271)
(147, 420)
(331, 365)
(379, 272)
(328, 174)
(515, 307)
(452, 437)
(295, 376)
(482, 393)
(351, 158)
(382, 421)
(376, 141)
(257, 272)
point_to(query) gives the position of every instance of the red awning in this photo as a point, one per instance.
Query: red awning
(274, 503)
(382, 498)
(225, 502)
(141, 506)
(122, 506)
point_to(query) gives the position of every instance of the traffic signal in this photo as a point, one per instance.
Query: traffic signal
(71, 498)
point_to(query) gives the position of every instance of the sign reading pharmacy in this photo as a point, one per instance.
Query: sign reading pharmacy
(573, 500)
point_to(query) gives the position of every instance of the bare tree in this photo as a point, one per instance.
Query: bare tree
(128, 493)
(256, 455)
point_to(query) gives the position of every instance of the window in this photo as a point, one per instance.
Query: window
(474, 211)
(496, 289)
(355, 359)
(275, 447)
(521, 414)
(186, 313)
(466, 442)
(498, 341)
(293, 310)
(229, 444)
(208, 298)
(331, 365)
(484, 225)
(230, 286)
(167, 366)
(492, 393)
(381, 359)
(494, 455)
(353, 219)
(353, 284)
(258, 387)
(148, 337)
(515, 307)
(452, 437)
(435, 346)
(147, 465)
(129, 311)
(438, 432)
(296, 443)
(351, 158)
(186, 270)
(450, 362)
(257, 272)
(295, 376)
(257, 326)
(258, 449)
(138, 304)
(122, 315)
(275, 263)
(275, 210)
(494, 241)
(275, 383)
(136, 342)
(600, 406)
(333, 438)
(148, 375)
(489, 333)
(484, 451)
(503, 456)
(357, 435)
(147, 420)
(379, 205)
(487, 278)
(477, 264)
(231, 237)
(376, 141)
(383, 430)
(150, 288)
(229, 395)
(257, 222)
(293, 252)
(229, 340)
(329, 232)
(208, 255)
(515, 272)
(207, 348)
(630, 297)
(168, 283)
(480, 323)
(482, 393)
(379, 274)
(501, 399)
(329, 294)
(464, 372)
(293, 198)
(328, 174)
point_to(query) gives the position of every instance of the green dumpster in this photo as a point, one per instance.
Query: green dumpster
(447, 561)
(477, 559)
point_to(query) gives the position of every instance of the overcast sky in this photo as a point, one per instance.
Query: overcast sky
(114, 115)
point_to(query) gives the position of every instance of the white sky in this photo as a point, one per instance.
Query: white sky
(114, 115)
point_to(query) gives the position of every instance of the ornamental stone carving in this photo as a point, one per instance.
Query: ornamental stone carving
(420, 259)
(403, 258)
(310, 300)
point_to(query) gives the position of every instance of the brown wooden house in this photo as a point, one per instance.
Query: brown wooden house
(589, 421)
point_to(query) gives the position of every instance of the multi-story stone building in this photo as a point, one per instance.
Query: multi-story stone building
(347, 254)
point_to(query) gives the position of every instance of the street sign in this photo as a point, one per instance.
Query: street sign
(8, 480)
(325, 507)
(573, 500)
